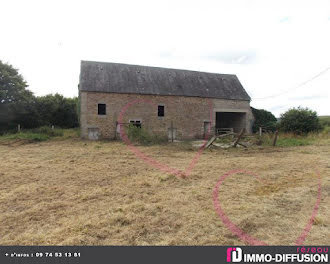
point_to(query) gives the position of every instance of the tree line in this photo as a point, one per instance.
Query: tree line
(296, 120)
(18, 105)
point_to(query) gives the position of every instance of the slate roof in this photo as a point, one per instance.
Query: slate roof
(134, 79)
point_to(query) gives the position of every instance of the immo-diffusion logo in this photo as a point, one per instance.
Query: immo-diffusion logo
(234, 254)
(313, 254)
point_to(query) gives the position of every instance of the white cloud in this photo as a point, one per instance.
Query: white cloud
(272, 46)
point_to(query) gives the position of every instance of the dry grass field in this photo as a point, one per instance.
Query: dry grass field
(75, 192)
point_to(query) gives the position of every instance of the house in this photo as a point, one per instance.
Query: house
(186, 104)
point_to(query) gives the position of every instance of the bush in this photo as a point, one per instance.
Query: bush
(264, 119)
(142, 136)
(138, 134)
(299, 121)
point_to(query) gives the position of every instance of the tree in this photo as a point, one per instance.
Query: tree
(57, 110)
(299, 121)
(19, 106)
(263, 118)
(14, 97)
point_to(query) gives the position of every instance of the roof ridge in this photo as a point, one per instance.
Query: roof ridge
(155, 67)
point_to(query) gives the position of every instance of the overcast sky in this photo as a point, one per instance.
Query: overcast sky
(272, 46)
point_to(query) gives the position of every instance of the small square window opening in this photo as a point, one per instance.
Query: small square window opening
(101, 109)
(161, 110)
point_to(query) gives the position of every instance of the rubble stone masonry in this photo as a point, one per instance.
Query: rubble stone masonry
(187, 114)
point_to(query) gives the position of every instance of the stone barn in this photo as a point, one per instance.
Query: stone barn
(177, 103)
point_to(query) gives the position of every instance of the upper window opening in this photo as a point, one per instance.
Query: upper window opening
(161, 110)
(101, 109)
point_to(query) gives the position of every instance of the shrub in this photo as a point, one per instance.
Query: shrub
(143, 137)
(263, 118)
(138, 134)
(299, 121)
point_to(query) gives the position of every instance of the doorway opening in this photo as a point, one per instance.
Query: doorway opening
(234, 121)
(207, 128)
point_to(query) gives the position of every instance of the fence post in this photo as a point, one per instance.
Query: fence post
(275, 138)
(260, 131)
(18, 128)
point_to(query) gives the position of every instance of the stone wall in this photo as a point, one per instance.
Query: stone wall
(187, 114)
